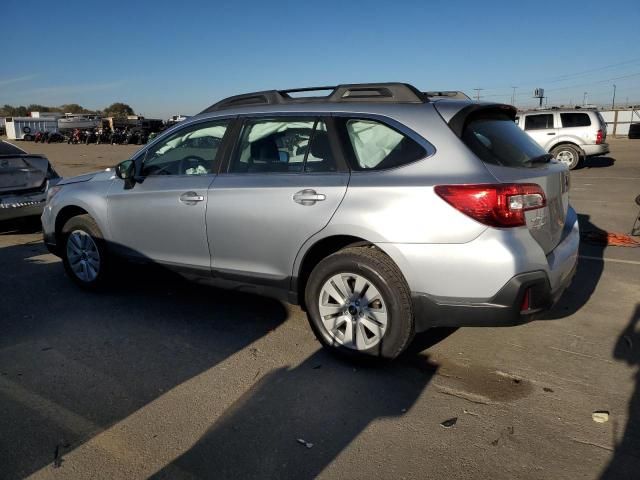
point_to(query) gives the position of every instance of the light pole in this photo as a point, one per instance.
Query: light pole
(513, 96)
(584, 99)
(613, 101)
(478, 93)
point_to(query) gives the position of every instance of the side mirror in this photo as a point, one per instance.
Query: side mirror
(126, 171)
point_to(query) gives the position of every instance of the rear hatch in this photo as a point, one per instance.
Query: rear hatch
(511, 156)
(23, 173)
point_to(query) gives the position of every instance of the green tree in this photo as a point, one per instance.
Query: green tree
(118, 110)
(35, 107)
(7, 111)
(73, 108)
(20, 111)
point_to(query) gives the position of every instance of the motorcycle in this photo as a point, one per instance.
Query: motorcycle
(90, 136)
(117, 137)
(55, 137)
(103, 136)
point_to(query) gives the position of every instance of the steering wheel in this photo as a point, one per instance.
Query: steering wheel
(186, 162)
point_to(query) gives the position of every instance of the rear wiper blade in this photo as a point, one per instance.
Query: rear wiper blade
(546, 158)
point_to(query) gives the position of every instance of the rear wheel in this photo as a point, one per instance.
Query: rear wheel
(567, 154)
(359, 304)
(83, 252)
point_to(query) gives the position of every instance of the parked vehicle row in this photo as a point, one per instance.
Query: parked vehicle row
(379, 210)
(99, 136)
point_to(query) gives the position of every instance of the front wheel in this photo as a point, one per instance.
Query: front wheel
(83, 252)
(359, 303)
(567, 154)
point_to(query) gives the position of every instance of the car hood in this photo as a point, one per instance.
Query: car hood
(92, 176)
(24, 173)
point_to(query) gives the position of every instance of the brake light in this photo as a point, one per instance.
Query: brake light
(496, 205)
(599, 137)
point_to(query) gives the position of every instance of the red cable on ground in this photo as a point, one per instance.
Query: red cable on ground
(610, 238)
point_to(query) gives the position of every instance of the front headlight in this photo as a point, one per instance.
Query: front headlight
(52, 192)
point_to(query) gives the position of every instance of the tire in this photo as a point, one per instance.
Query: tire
(634, 131)
(567, 154)
(82, 235)
(27, 138)
(391, 308)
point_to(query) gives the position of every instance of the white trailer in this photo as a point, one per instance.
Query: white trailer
(25, 128)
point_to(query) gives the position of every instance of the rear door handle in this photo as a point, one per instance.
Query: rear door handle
(191, 198)
(551, 133)
(308, 196)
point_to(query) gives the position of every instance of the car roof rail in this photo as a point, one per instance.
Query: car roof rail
(451, 94)
(355, 92)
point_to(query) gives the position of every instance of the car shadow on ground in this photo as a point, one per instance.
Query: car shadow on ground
(624, 463)
(294, 422)
(20, 226)
(73, 363)
(598, 162)
(587, 276)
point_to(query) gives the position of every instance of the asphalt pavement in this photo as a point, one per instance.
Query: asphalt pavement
(162, 378)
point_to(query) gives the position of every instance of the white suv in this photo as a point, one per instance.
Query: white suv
(570, 135)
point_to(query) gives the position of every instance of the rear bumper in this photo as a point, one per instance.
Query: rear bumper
(21, 206)
(502, 310)
(593, 150)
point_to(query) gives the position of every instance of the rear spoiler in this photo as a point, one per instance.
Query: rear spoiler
(460, 119)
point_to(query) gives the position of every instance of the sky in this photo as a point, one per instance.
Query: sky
(169, 57)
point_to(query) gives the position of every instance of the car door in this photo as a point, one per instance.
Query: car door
(162, 218)
(284, 180)
(541, 127)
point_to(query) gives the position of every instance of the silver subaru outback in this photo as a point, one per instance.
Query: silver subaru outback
(380, 209)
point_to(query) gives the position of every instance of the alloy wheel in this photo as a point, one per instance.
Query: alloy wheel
(353, 311)
(83, 256)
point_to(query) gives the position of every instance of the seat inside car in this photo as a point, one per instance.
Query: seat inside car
(320, 149)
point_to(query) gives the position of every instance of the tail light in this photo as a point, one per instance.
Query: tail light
(599, 137)
(499, 205)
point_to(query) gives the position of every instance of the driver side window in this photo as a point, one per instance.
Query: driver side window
(189, 151)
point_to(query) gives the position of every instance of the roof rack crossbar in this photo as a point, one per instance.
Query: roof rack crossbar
(357, 92)
(307, 89)
(455, 94)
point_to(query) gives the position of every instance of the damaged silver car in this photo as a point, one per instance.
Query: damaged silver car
(25, 180)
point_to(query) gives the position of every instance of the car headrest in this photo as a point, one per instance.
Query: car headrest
(265, 150)
(320, 147)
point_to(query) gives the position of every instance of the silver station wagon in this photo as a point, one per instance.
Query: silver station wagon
(382, 210)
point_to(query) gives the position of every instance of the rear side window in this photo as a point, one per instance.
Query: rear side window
(377, 146)
(538, 122)
(575, 119)
(284, 145)
(496, 139)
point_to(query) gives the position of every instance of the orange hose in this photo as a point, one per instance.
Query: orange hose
(609, 238)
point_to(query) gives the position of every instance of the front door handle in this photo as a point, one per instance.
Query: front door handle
(551, 133)
(308, 196)
(191, 198)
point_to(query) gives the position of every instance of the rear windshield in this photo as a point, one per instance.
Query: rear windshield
(496, 139)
